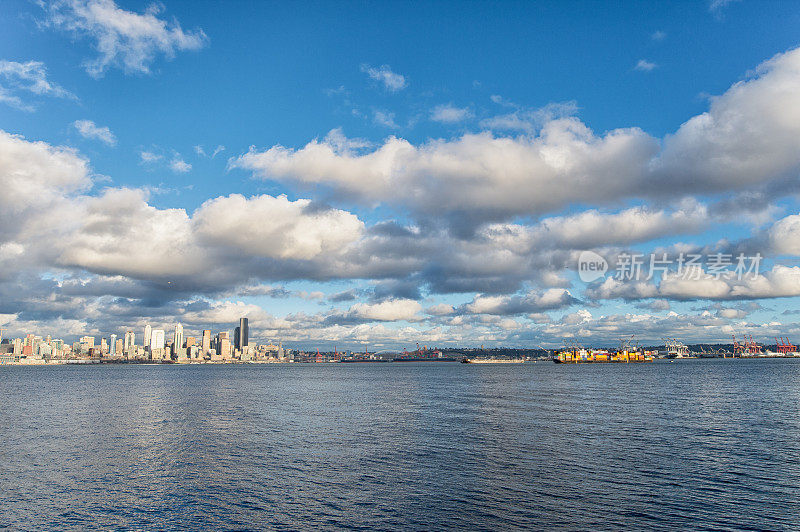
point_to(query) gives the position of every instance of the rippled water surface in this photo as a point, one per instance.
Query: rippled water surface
(690, 444)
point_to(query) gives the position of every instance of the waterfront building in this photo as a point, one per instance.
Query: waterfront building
(148, 331)
(177, 339)
(130, 341)
(243, 337)
(205, 345)
(157, 339)
(112, 347)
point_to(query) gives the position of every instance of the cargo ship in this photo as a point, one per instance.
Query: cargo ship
(589, 356)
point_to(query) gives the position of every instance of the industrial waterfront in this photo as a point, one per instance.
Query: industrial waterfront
(237, 346)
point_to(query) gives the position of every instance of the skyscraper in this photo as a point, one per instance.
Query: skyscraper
(177, 338)
(205, 345)
(112, 346)
(127, 345)
(157, 338)
(243, 338)
(148, 331)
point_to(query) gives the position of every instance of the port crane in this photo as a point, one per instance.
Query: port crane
(782, 345)
(738, 349)
(752, 347)
(628, 344)
(675, 348)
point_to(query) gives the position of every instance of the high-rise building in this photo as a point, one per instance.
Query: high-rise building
(243, 337)
(205, 345)
(148, 331)
(129, 342)
(157, 338)
(112, 346)
(177, 338)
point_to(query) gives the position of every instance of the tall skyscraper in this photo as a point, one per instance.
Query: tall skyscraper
(205, 345)
(112, 346)
(129, 342)
(148, 331)
(157, 338)
(243, 336)
(177, 338)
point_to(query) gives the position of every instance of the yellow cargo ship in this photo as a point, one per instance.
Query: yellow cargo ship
(586, 356)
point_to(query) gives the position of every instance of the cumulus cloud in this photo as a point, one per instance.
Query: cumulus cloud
(479, 173)
(748, 138)
(695, 283)
(384, 75)
(32, 170)
(750, 135)
(276, 227)
(392, 310)
(783, 237)
(122, 38)
(532, 302)
(90, 130)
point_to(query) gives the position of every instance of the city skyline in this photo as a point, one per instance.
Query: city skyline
(359, 181)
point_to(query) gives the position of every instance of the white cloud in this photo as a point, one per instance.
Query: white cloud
(534, 301)
(201, 152)
(276, 227)
(392, 310)
(441, 309)
(449, 114)
(732, 313)
(31, 77)
(478, 172)
(716, 6)
(749, 137)
(697, 284)
(178, 165)
(122, 38)
(90, 130)
(35, 172)
(384, 118)
(392, 81)
(658, 35)
(783, 237)
(529, 120)
(149, 157)
(644, 65)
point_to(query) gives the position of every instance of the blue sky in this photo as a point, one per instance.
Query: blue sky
(454, 126)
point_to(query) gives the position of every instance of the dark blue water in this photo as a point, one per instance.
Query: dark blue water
(684, 445)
